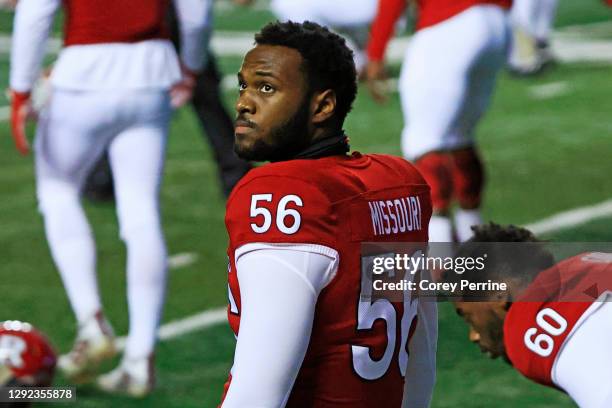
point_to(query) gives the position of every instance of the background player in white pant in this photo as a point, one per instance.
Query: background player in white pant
(532, 22)
(110, 89)
(348, 17)
(554, 323)
(447, 79)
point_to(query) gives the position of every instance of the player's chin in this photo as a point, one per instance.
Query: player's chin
(247, 148)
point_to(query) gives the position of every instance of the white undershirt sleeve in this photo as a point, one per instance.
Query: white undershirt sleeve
(279, 287)
(583, 367)
(421, 371)
(33, 20)
(195, 26)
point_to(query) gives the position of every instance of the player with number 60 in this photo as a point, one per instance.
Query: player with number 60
(554, 324)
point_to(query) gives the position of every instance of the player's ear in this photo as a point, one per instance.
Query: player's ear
(323, 106)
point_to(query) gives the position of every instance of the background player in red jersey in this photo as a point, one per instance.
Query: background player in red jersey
(110, 89)
(554, 324)
(216, 123)
(308, 334)
(447, 79)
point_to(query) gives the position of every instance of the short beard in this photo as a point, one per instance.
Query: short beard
(287, 139)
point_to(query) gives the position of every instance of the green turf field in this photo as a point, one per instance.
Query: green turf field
(543, 156)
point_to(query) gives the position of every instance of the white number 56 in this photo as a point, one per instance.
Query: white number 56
(282, 212)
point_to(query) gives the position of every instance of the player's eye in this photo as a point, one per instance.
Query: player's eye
(241, 85)
(267, 88)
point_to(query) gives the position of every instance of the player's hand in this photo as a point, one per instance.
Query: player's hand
(376, 76)
(21, 111)
(182, 91)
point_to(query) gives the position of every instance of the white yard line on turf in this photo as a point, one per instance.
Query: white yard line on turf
(182, 260)
(568, 45)
(186, 325)
(571, 218)
(549, 90)
(5, 112)
(556, 222)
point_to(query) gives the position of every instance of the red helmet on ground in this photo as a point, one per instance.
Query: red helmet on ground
(26, 357)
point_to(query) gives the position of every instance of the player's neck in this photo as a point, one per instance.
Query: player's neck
(326, 143)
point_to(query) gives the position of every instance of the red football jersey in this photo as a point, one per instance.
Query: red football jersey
(551, 309)
(430, 12)
(339, 202)
(112, 21)
(435, 11)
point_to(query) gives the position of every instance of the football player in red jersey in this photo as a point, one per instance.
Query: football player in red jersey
(554, 323)
(446, 83)
(308, 334)
(111, 88)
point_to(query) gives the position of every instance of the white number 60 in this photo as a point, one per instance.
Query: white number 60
(543, 344)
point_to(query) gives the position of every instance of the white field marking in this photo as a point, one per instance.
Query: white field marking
(549, 91)
(181, 260)
(556, 222)
(571, 218)
(568, 45)
(5, 113)
(190, 324)
(53, 45)
(602, 28)
(229, 83)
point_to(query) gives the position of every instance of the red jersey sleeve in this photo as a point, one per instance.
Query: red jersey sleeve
(280, 209)
(383, 26)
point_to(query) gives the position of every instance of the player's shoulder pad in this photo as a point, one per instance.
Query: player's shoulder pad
(280, 203)
(402, 167)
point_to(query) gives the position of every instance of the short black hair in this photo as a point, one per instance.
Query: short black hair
(521, 261)
(329, 62)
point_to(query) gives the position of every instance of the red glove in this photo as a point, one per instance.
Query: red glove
(21, 110)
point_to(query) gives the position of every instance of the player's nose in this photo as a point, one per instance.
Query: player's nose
(474, 335)
(244, 104)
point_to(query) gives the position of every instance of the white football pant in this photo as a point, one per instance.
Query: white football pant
(74, 130)
(349, 17)
(535, 17)
(447, 79)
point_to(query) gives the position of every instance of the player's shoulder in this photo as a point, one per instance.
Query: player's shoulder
(280, 203)
(331, 179)
(295, 175)
(587, 260)
(397, 168)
